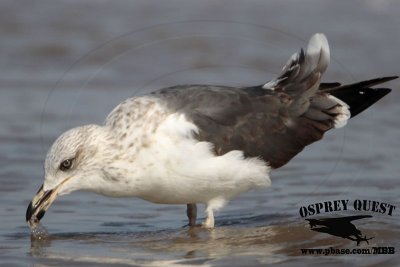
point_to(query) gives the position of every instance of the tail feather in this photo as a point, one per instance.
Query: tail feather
(303, 108)
(300, 77)
(331, 104)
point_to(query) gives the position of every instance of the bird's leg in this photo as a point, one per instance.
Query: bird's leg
(209, 222)
(191, 212)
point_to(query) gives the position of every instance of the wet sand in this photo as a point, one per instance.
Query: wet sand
(70, 63)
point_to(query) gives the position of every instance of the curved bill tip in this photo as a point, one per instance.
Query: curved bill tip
(38, 206)
(29, 212)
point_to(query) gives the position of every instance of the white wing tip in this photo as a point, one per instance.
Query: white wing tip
(343, 113)
(318, 49)
(319, 40)
(317, 58)
(341, 119)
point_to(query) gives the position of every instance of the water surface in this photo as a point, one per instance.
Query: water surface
(68, 63)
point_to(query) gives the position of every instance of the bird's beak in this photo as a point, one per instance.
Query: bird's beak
(41, 203)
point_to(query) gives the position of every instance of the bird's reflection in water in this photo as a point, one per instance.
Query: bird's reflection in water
(188, 245)
(39, 246)
(225, 245)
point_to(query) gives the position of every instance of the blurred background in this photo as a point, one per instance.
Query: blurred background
(68, 63)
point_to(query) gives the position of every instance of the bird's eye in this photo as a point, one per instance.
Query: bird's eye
(66, 164)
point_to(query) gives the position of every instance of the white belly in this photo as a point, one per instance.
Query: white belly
(175, 168)
(182, 170)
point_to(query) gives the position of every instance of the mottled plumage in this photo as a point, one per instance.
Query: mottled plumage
(200, 143)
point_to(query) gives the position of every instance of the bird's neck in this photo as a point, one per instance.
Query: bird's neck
(116, 164)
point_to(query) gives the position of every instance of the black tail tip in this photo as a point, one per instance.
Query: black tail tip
(367, 97)
(377, 93)
(359, 96)
(384, 91)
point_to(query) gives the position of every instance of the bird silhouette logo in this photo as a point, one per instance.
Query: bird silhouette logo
(340, 226)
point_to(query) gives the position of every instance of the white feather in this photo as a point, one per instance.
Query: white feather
(343, 114)
(187, 171)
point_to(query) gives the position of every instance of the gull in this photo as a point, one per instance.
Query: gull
(204, 144)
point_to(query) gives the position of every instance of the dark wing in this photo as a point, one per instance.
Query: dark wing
(244, 119)
(260, 127)
(274, 121)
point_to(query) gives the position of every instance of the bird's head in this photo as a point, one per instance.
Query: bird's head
(73, 162)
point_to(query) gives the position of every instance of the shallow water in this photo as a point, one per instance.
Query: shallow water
(68, 64)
